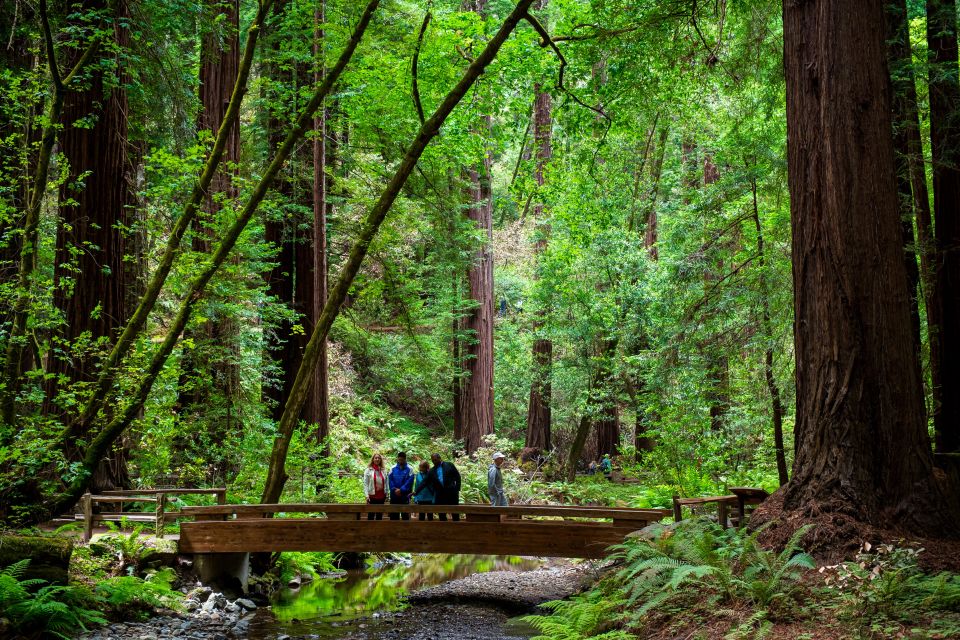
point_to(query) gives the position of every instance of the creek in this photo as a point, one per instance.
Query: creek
(370, 603)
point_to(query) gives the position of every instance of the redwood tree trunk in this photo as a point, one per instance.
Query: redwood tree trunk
(538, 408)
(861, 443)
(90, 273)
(476, 353)
(945, 149)
(210, 377)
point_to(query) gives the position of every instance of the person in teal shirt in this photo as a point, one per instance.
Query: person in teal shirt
(422, 491)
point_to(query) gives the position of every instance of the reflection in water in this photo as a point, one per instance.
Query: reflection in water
(381, 588)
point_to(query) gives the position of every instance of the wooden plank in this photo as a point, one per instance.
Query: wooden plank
(121, 499)
(689, 502)
(642, 515)
(557, 539)
(149, 492)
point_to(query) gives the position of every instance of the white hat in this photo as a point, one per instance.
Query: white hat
(498, 455)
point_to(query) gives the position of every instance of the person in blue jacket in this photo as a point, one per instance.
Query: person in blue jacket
(401, 485)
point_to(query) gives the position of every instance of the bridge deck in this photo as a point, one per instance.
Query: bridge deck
(558, 531)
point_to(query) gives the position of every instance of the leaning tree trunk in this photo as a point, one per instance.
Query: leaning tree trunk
(862, 450)
(91, 239)
(538, 408)
(945, 151)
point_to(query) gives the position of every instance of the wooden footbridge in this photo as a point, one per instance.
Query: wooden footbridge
(557, 531)
(541, 530)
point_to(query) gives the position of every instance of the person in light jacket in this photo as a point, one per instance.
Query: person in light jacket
(495, 481)
(375, 485)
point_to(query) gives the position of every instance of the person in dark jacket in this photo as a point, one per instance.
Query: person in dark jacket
(401, 485)
(445, 481)
(423, 490)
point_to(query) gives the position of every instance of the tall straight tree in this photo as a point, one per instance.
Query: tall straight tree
(90, 272)
(317, 408)
(538, 408)
(945, 150)
(474, 383)
(210, 379)
(292, 281)
(861, 441)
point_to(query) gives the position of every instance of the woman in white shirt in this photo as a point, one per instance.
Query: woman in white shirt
(375, 484)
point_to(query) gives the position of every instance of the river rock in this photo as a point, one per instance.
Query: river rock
(247, 604)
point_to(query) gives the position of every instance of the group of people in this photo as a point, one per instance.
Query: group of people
(428, 485)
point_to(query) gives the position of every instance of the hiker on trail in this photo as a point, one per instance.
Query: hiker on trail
(401, 485)
(592, 468)
(445, 480)
(375, 484)
(606, 466)
(422, 490)
(495, 481)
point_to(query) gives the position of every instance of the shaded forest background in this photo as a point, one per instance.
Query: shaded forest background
(593, 256)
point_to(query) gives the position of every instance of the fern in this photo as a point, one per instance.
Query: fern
(33, 606)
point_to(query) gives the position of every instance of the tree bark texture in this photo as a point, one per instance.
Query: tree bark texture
(861, 443)
(476, 350)
(944, 93)
(90, 273)
(538, 408)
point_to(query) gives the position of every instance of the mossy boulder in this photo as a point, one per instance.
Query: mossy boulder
(49, 556)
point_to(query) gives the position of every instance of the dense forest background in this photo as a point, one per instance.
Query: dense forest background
(593, 256)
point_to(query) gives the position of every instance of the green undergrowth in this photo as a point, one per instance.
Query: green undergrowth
(698, 581)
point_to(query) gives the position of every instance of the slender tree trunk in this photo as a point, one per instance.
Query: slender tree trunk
(318, 403)
(91, 237)
(900, 62)
(861, 444)
(473, 331)
(776, 403)
(945, 147)
(538, 408)
(476, 354)
(650, 235)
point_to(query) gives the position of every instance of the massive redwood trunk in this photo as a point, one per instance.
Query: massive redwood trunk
(945, 151)
(538, 408)
(861, 443)
(90, 273)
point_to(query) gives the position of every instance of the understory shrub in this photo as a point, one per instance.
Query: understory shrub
(691, 566)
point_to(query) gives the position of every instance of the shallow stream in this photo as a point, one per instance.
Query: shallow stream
(369, 603)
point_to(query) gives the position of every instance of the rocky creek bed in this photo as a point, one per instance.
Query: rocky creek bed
(479, 606)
